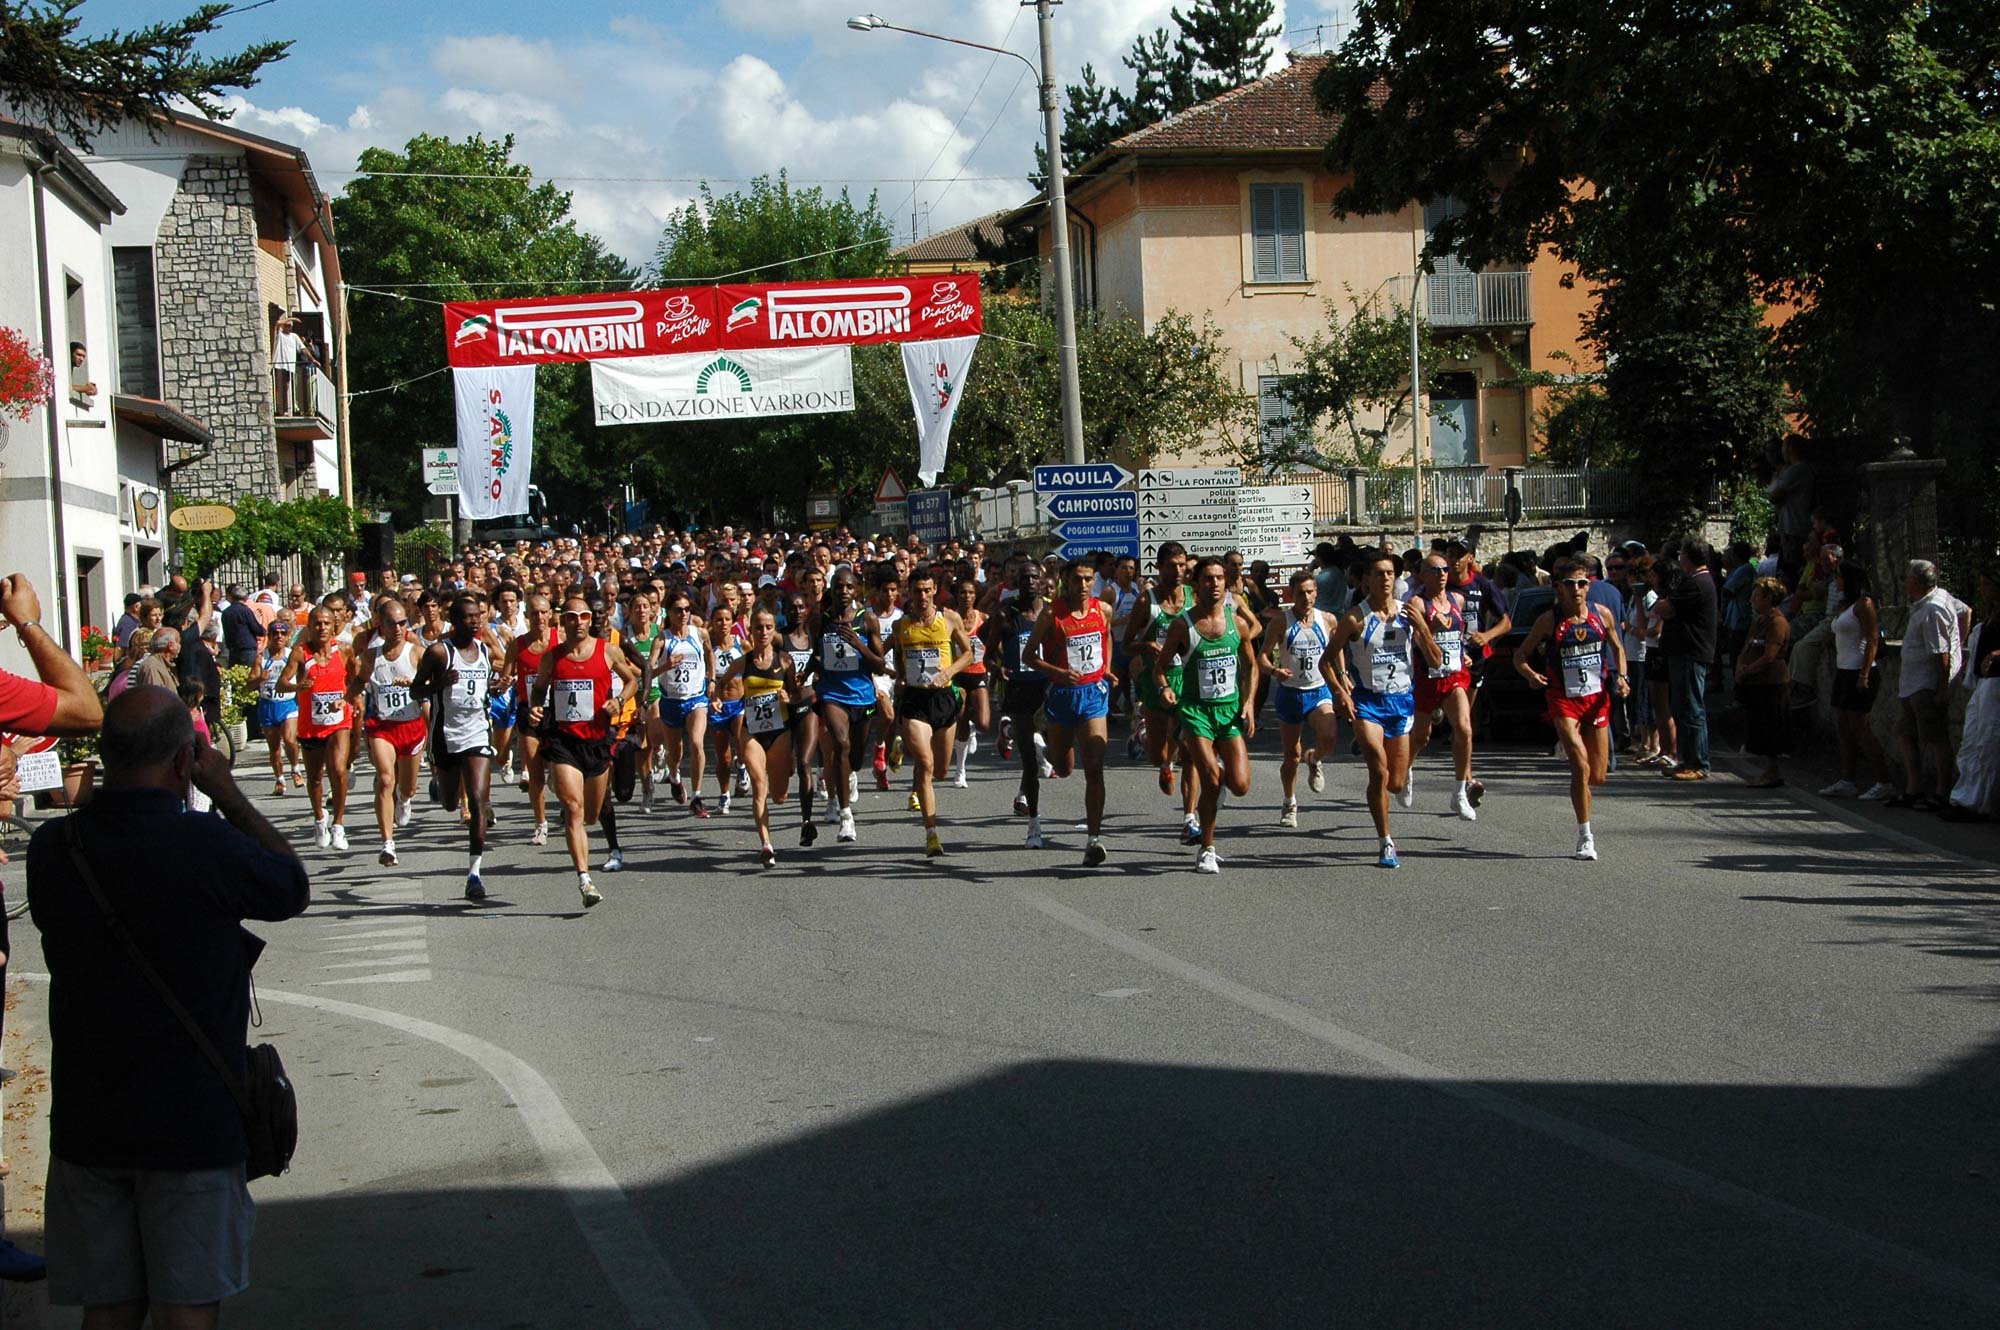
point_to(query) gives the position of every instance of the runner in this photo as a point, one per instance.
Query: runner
(765, 676)
(725, 705)
(1164, 602)
(395, 719)
(277, 715)
(1219, 676)
(570, 704)
(681, 665)
(460, 675)
(800, 608)
(850, 650)
(977, 713)
(317, 673)
(1009, 634)
(888, 735)
(642, 631)
(1297, 635)
(1445, 687)
(1072, 649)
(931, 649)
(508, 621)
(1486, 620)
(1575, 638)
(524, 662)
(1372, 684)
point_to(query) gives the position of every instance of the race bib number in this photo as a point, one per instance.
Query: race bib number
(837, 654)
(802, 659)
(392, 700)
(1086, 653)
(575, 701)
(1389, 670)
(1305, 662)
(682, 677)
(978, 651)
(921, 665)
(268, 690)
(762, 715)
(1452, 642)
(472, 685)
(327, 708)
(1582, 669)
(1218, 678)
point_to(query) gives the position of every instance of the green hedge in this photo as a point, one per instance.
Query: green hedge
(264, 529)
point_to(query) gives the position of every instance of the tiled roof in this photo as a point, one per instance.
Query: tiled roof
(955, 245)
(1276, 111)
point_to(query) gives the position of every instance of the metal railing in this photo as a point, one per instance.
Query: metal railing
(1472, 299)
(304, 393)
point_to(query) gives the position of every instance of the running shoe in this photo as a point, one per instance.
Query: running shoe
(958, 779)
(1094, 854)
(742, 780)
(1388, 859)
(588, 889)
(1315, 777)
(339, 837)
(432, 789)
(896, 753)
(1840, 789)
(615, 862)
(646, 802)
(1048, 769)
(1020, 805)
(403, 813)
(808, 833)
(1207, 861)
(698, 808)
(971, 743)
(1289, 816)
(279, 788)
(1586, 846)
(475, 890)
(677, 788)
(1006, 738)
(1167, 779)
(1407, 796)
(540, 835)
(1689, 774)
(322, 834)
(933, 848)
(1190, 831)
(1133, 748)
(722, 805)
(770, 856)
(1461, 803)
(388, 856)
(507, 774)
(881, 776)
(1034, 833)
(299, 777)
(853, 787)
(916, 804)
(846, 825)
(521, 777)
(1475, 790)
(832, 814)
(1878, 792)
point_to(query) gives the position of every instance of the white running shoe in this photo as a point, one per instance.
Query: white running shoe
(403, 813)
(971, 743)
(1586, 846)
(1407, 796)
(1034, 833)
(1020, 805)
(1190, 831)
(322, 833)
(723, 805)
(339, 837)
(1877, 792)
(585, 887)
(1289, 817)
(1461, 803)
(846, 825)
(1315, 778)
(1840, 789)
(832, 812)
(388, 856)
(853, 788)
(507, 773)
(1207, 862)
(646, 802)
(958, 779)
(615, 862)
(540, 835)
(742, 780)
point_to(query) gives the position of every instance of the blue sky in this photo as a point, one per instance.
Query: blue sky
(664, 94)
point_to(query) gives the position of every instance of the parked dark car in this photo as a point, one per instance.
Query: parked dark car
(1513, 706)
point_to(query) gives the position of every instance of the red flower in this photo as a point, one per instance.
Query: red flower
(26, 379)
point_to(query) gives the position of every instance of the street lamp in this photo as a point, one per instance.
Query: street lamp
(1072, 401)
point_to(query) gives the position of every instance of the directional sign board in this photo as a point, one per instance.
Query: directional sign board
(1193, 505)
(1083, 476)
(1111, 503)
(930, 516)
(441, 470)
(1090, 511)
(1275, 523)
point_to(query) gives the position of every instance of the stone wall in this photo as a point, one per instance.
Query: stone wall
(215, 364)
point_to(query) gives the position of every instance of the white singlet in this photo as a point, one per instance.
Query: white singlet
(1379, 655)
(1304, 645)
(464, 723)
(389, 680)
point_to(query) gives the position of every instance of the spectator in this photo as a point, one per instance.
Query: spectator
(126, 671)
(161, 666)
(197, 658)
(1972, 797)
(1931, 645)
(80, 384)
(241, 629)
(1818, 601)
(1857, 640)
(1791, 495)
(1687, 641)
(128, 621)
(147, 1204)
(268, 601)
(1739, 576)
(1763, 688)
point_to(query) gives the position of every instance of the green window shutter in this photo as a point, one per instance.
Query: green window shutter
(1264, 233)
(1291, 233)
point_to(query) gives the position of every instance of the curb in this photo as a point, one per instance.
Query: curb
(24, 1131)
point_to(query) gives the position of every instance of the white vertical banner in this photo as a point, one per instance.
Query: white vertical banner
(936, 371)
(496, 439)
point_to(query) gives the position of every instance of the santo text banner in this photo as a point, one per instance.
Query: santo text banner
(723, 385)
(496, 439)
(611, 325)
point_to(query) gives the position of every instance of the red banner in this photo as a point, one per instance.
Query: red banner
(610, 324)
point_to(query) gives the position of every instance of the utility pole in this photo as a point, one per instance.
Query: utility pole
(1072, 398)
(1416, 394)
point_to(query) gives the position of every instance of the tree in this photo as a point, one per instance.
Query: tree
(80, 85)
(772, 232)
(1230, 39)
(490, 232)
(1163, 79)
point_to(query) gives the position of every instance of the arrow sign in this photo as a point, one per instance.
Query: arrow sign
(1100, 503)
(1185, 501)
(1199, 477)
(1123, 530)
(1085, 476)
(1083, 549)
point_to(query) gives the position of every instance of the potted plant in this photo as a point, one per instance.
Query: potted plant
(27, 379)
(239, 694)
(79, 759)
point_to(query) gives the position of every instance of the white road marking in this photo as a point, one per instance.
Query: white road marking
(392, 977)
(418, 944)
(401, 930)
(653, 1296)
(1623, 1154)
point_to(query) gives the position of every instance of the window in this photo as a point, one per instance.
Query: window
(76, 357)
(1277, 429)
(138, 321)
(1278, 233)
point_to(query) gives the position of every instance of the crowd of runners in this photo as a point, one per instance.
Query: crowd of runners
(597, 675)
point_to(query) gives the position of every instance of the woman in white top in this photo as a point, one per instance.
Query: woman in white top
(1979, 743)
(1856, 640)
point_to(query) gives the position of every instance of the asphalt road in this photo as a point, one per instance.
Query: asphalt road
(1741, 1071)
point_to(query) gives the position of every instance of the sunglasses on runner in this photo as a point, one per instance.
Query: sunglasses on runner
(578, 615)
(1574, 581)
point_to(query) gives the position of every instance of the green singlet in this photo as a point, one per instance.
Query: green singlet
(1211, 696)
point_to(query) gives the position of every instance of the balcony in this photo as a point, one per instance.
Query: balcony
(303, 403)
(1472, 299)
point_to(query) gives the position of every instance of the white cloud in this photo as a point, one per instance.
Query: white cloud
(504, 62)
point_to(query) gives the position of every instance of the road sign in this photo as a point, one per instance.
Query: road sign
(1118, 535)
(822, 512)
(891, 488)
(1104, 503)
(1275, 522)
(1087, 476)
(1195, 506)
(440, 470)
(930, 515)
(1192, 477)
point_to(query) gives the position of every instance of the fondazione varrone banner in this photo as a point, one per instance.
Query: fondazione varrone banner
(682, 320)
(723, 385)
